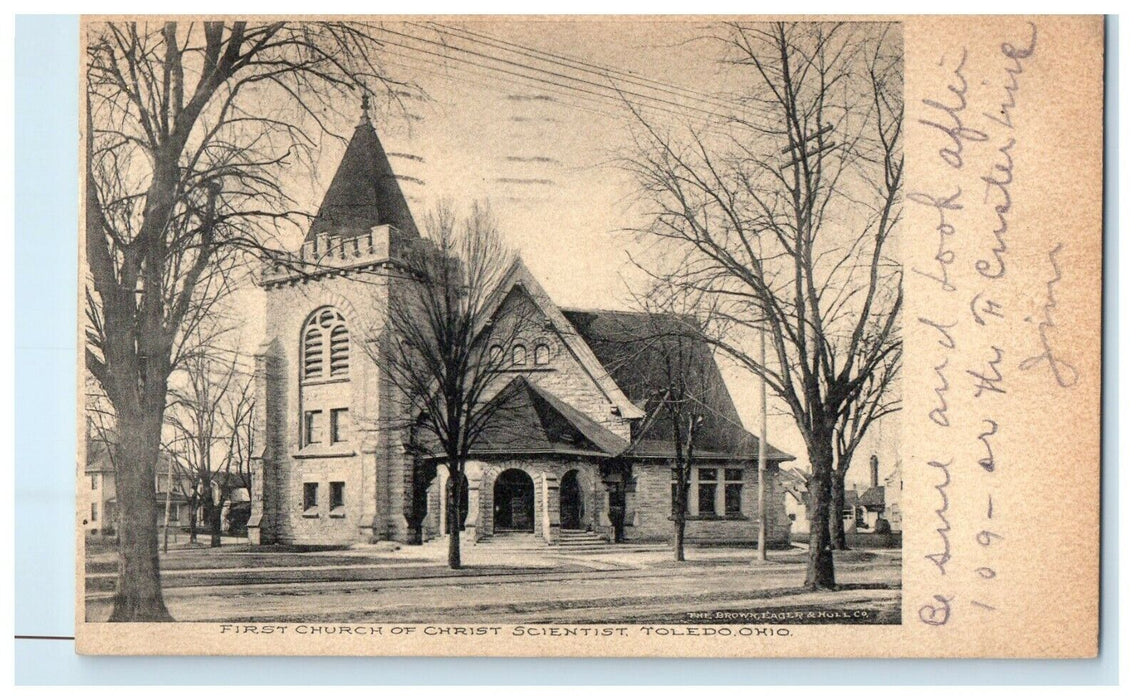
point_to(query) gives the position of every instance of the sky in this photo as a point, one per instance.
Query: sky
(525, 115)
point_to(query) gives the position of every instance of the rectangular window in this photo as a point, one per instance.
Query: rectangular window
(338, 425)
(336, 496)
(734, 485)
(707, 491)
(313, 432)
(310, 497)
(94, 482)
(94, 512)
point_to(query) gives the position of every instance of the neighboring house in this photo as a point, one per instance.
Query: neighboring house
(99, 507)
(335, 466)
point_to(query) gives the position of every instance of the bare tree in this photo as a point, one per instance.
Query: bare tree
(188, 129)
(878, 397)
(788, 222)
(210, 416)
(669, 345)
(443, 346)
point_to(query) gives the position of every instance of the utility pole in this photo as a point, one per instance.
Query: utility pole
(762, 449)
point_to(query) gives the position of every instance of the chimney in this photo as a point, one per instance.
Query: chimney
(875, 471)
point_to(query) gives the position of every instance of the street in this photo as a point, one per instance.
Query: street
(612, 584)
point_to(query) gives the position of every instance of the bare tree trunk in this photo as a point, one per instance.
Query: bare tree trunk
(679, 538)
(139, 598)
(193, 504)
(836, 519)
(216, 522)
(821, 573)
(455, 485)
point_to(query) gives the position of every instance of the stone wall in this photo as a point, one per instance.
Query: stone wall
(653, 519)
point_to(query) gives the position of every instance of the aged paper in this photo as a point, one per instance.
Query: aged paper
(334, 407)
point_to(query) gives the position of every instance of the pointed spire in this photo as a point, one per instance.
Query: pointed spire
(364, 192)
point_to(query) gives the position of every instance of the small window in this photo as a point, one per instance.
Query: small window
(495, 355)
(733, 498)
(94, 482)
(518, 355)
(94, 512)
(734, 485)
(707, 491)
(310, 497)
(542, 355)
(339, 425)
(336, 495)
(312, 428)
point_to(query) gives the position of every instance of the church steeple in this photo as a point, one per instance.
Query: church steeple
(365, 191)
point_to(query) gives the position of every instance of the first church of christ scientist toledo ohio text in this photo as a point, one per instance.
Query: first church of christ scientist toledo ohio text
(333, 464)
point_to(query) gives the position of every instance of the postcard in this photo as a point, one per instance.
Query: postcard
(590, 336)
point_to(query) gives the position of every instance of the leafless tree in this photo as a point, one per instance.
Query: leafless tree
(210, 419)
(878, 397)
(189, 127)
(669, 344)
(443, 347)
(789, 222)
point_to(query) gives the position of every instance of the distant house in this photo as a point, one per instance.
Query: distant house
(98, 505)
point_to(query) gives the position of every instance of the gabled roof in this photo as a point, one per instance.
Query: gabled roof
(518, 276)
(364, 193)
(529, 420)
(626, 343)
(873, 497)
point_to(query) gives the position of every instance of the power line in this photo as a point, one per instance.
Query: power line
(621, 97)
(585, 66)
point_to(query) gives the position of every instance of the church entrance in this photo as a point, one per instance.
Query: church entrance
(514, 502)
(570, 502)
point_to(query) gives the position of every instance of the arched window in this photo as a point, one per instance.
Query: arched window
(519, 355)
(495, 355)
(542, 355)
(325, 345)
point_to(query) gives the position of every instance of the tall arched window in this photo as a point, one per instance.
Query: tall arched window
(325, 345)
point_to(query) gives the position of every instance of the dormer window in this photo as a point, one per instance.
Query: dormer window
(325, 346)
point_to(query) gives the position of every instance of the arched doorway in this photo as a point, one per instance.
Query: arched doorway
(514, 502)
(570, 502)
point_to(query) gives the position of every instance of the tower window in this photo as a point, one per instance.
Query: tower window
(313, 427)
(339, 425)
(309, 497)
(325, 345)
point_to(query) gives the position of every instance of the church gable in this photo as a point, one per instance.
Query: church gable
(577, 361)
(532, 348)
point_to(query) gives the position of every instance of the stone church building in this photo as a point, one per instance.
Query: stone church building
(578, 448)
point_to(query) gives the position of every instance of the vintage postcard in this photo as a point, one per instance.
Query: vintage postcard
(590, 336)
